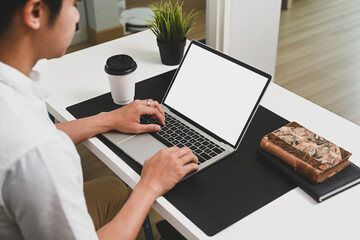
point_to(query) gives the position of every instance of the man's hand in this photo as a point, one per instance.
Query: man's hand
(160, 173)
(167, 167)
(127, 118)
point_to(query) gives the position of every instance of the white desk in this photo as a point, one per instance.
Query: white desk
(80, 76)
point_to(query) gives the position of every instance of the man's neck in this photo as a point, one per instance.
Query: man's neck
(18, 53)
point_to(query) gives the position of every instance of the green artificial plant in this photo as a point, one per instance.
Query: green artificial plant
(169, 23)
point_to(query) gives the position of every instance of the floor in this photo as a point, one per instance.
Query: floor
(319, 54)
(318, 58)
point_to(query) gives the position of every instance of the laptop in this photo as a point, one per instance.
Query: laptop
(208, 107)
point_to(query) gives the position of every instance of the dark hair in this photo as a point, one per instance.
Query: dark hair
(8, 9)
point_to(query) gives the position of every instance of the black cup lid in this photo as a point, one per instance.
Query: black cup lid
(120, 65)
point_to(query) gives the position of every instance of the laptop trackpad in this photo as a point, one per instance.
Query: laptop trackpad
(141, 147)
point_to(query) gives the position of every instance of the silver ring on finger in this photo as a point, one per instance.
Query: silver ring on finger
(148, 102)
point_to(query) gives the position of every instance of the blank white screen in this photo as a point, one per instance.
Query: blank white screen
(215, 93)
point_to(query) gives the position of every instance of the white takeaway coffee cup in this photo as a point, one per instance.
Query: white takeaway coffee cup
(120, 70)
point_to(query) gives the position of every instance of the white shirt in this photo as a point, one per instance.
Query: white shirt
(41, 183)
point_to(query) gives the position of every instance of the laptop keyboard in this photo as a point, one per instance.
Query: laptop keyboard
(178, 134)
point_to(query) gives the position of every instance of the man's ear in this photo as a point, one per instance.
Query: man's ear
(32, 13)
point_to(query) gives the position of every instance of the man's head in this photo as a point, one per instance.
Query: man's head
(9, 8)
(34, 29)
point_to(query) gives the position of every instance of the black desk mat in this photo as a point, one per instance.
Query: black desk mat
(225, 192)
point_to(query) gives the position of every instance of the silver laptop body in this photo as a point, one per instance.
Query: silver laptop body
(211, 96)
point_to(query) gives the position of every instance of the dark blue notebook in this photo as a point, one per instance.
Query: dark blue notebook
(345, 179)
(225, 192)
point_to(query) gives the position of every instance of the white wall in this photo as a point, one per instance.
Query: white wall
(81, 34)
(218, 13)
(249, 31)
(102, 14)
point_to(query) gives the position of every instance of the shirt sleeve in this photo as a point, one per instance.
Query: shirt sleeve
(43, 193)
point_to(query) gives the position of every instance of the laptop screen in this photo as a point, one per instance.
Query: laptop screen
(217, 92)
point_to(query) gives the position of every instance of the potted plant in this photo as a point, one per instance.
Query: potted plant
(170, 26)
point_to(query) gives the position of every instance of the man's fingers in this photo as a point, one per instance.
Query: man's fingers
(191, 168)
(155, 112)
(158, 107)
(189, 158)
(149, 128)
(151, 104)
(183, 151)
(173, 148)
(148, 102)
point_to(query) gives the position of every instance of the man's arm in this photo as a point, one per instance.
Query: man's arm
(160, 173)
(125, 119)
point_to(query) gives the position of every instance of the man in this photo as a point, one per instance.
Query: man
(41, 185)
